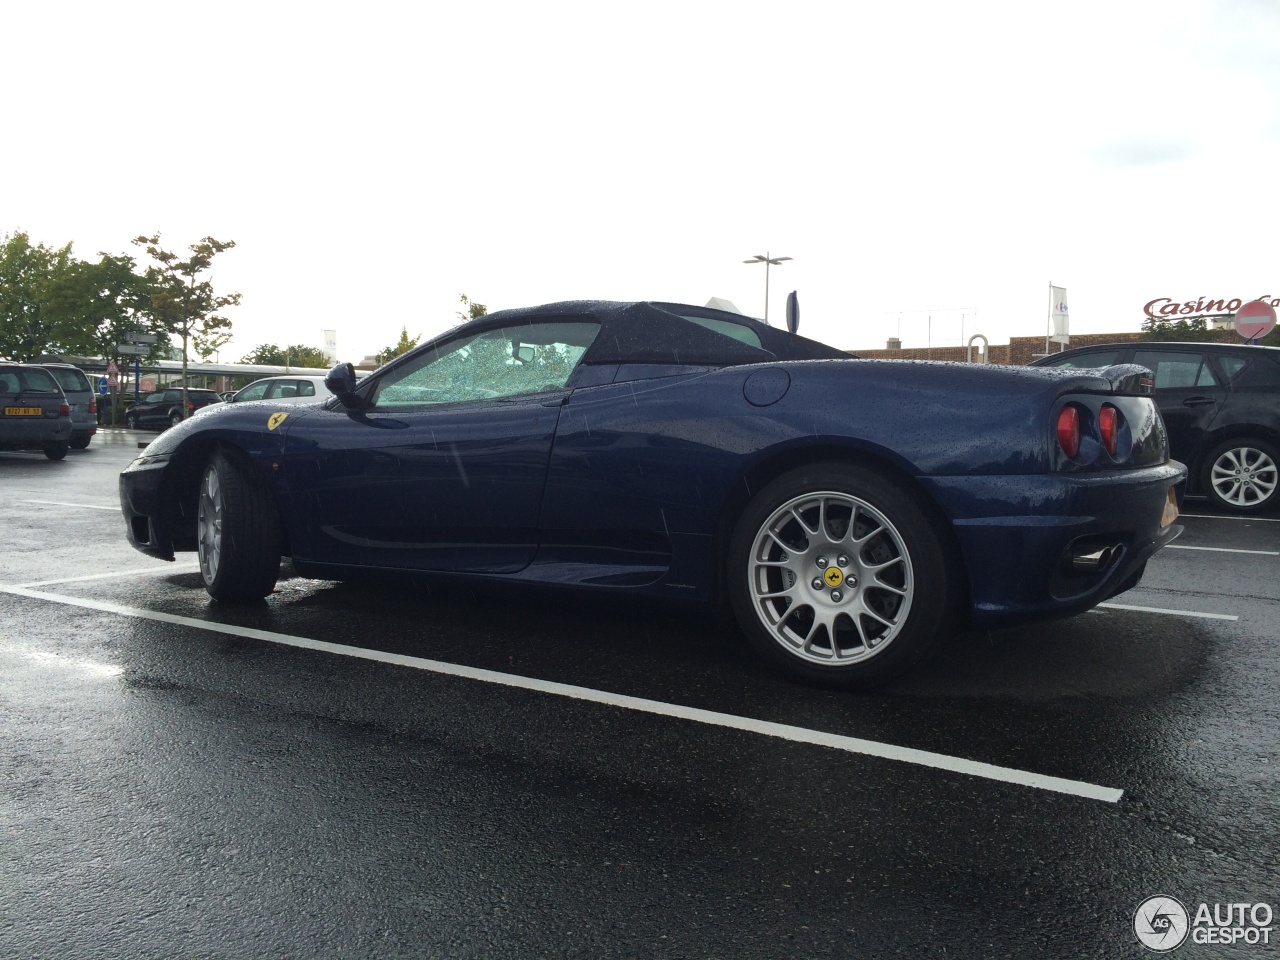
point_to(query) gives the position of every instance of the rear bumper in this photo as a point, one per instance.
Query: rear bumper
(1017, 536)
(32, 434)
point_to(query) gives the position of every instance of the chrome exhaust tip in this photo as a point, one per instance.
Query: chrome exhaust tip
(1092, 558)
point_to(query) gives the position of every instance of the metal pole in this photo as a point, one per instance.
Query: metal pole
(767, 255)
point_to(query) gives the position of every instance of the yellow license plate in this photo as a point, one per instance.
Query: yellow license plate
(23, 411)
(1170, 510)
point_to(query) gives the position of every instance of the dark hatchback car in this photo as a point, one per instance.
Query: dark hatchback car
(1221, 406)
(163, 409)
(33, 411)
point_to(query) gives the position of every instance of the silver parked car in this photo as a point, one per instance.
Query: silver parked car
(81, 400)
(283, 390)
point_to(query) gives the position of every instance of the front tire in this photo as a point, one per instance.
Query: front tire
(237, 530)
(131, 421)
(838, 578)
(1242, 475)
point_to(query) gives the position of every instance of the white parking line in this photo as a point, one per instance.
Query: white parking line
(1172, 613)
(1210, 516)
(871, 748)
(177, 568)
(1260, 553)
(84, 506)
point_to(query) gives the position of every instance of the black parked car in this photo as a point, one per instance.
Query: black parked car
(1221, 406)
(163, 409)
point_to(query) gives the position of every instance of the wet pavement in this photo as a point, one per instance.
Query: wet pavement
(350, 771)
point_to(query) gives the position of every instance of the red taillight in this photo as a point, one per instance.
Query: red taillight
(1109, 427)
(1069, 430)
(64, 410)
(190, 405)
(93, 404)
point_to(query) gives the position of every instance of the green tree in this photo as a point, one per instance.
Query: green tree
(403, 345)
(295, 355)
(183, 301)
(1167, 328)
(28, 325)
(99, 304)
(471, 310)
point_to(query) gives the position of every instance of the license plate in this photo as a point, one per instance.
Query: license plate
(1170, 510)
(23, 411)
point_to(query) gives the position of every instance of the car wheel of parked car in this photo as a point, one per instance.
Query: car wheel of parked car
(79, 443)
(56, 450)
(836, 576)
(237, 530)
(175, 418)
(131, 420)
(1241, 475)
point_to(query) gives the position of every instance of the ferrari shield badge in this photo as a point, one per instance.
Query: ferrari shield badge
(275, 420)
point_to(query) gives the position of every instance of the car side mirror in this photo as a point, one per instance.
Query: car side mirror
(341, 381)
(525, 353)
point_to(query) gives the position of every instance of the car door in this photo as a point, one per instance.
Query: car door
(444, 465)
(1190, 395)
(153, 409)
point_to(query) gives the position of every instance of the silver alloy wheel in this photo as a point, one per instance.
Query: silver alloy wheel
(830, 578)
(1244, 476)
(209, 524)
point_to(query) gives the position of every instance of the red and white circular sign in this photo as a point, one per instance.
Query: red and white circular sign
(1255, 319)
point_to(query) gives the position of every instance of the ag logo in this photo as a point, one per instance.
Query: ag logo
(1161, 923)
(275, 420)
(833, 576)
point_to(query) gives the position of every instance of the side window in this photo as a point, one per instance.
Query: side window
(1232, 366)
(738, 331)
(507, 362)
(1103, 358)
(255, 391)
(1175, 370)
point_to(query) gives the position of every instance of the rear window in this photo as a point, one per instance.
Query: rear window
(14, 379)
(70, 379)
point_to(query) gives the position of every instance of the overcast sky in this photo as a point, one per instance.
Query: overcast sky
(374, 161)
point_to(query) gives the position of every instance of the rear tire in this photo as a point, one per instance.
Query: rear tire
(1241, 475)
(837, 577)
(80, 443)
(175, 419)
(56, 450)
(237, 530)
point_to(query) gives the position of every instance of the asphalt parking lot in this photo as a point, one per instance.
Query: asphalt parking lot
(350, 771)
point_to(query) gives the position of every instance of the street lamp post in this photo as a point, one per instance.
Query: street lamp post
(767, 261)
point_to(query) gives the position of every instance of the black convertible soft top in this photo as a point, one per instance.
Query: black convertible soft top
(665, 333)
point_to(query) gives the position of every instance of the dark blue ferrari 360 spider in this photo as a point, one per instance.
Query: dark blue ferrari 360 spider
(848, 512)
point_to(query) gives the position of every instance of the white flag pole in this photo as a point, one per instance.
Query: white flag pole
(1048, 320)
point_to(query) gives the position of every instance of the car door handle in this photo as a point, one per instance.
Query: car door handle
(1197, 401)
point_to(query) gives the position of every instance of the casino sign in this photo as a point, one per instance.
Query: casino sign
(1164, 307)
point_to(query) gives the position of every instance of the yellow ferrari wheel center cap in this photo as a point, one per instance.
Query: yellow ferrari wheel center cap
(833, 577)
